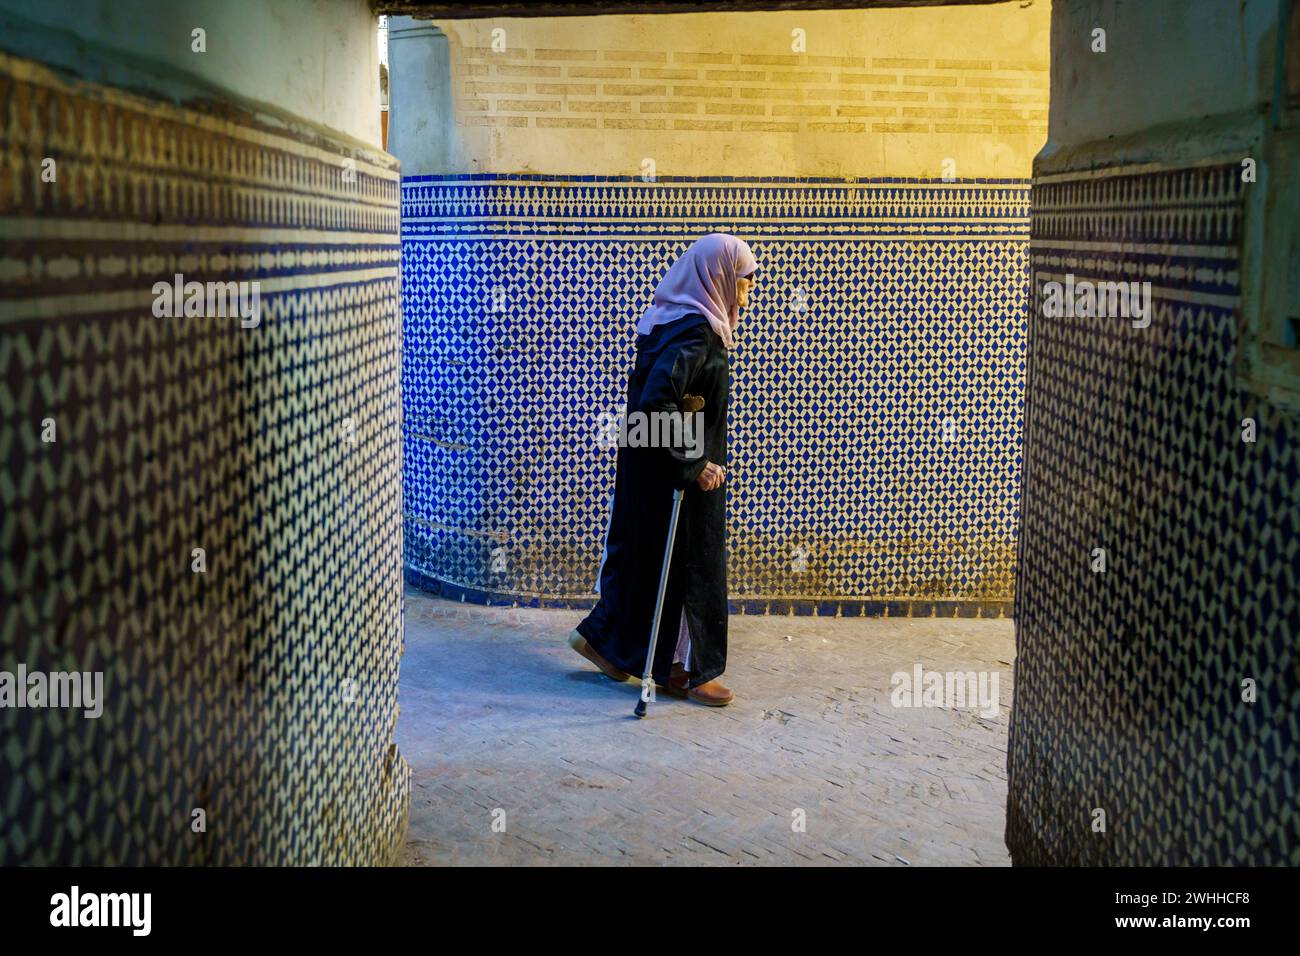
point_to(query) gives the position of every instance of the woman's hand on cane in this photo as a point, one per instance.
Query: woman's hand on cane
(711, 477)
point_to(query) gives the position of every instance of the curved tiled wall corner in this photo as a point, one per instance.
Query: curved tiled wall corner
(262, 690)
(1129, 682)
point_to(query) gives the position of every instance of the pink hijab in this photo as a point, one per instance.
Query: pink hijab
(703, 280)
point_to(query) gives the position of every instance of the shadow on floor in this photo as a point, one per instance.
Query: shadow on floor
(522, 753)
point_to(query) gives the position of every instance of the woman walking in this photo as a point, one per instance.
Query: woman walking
(682, 368)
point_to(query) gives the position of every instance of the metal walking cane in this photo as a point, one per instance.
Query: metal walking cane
(647, 682)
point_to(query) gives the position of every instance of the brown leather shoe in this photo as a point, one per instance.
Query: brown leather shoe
(710, 694)
(579, 644)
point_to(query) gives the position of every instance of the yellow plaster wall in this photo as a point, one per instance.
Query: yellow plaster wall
(874, 93)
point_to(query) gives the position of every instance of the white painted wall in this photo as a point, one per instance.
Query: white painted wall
(312, 60)
(1165, 62)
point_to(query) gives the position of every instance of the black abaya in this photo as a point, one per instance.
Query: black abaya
(680, 358)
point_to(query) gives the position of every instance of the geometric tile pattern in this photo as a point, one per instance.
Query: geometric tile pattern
(876, 383)
(1129, 692)
(262, 690)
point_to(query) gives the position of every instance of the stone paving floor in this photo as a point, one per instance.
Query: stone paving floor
(502, 722)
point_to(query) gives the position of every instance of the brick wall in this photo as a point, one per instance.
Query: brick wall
(749, 93)
(900, 92)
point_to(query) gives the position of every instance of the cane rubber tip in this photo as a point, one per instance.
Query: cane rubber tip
(640, 708)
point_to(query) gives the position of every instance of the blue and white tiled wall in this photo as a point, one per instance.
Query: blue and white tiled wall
(1131, 685)
(272, 451)
(876, 394)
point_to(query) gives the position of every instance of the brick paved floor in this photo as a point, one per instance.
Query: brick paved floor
(497, 713)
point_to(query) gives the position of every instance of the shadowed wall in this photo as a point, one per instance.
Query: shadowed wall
(260, 686)
(1135, 738)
